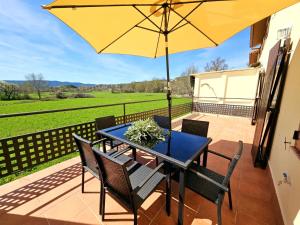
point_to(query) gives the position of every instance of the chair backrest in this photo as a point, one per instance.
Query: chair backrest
(233, 163)
(195, 127)
(105, 122)
(86, 154)
(162, 121)
(114, 175)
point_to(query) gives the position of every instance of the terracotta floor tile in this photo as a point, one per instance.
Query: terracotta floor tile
(154, 203)
(87, 217)
(37, 221)
(53, 196)
(244, 219)
(163, 218)
(12, 219)
(253, 190)
(259, 209)
(67, 209)
(201, 221)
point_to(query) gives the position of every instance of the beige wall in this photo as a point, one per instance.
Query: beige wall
(227, 84)
(282, 160)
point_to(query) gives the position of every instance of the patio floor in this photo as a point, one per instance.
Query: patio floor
(53, 196)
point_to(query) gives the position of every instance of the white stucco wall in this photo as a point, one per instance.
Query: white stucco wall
(282, 160)
(227, 84)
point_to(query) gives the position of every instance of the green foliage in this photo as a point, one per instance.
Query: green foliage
(8, 91)
(152, 86)
(145, 132)
(36, 83)
(82, 95)
(182, 85)
(61, 95)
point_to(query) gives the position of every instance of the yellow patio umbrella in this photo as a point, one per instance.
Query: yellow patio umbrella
(154, 28)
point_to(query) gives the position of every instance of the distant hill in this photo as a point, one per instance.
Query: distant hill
(55, 83)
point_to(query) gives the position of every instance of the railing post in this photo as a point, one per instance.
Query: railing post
(192, 104)
(124, 113)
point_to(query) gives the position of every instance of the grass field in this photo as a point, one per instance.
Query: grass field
(22, 125)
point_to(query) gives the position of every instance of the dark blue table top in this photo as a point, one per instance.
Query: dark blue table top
(179, 148)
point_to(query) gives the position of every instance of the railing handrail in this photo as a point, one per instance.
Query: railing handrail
(73, 109)
(224, 98)
(43, 146)
(78, 124)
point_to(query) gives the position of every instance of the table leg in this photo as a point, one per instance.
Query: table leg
(104, 146)
(205, 157)
(181, 196)
(134, 153)
(168, 189)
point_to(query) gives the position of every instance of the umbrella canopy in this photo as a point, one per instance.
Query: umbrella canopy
(154, 28)
(121, 26)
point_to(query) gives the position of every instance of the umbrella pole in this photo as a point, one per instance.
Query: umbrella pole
(167, 67)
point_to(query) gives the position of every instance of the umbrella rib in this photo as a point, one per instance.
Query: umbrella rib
(162, 19)
(184, 18)
(128, 31)
(95, 6)
(145, 28)
(199, 1)
(124, 5)
(147, 17)
(178, 27)
(216, 44)
(169, 13)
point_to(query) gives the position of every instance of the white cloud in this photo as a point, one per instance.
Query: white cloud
(32, 40)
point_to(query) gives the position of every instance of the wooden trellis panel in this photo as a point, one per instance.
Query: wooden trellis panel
(25, 151)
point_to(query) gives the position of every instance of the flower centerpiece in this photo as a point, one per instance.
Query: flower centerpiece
(145, 132)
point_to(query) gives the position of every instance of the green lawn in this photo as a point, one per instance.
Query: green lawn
(21, 125)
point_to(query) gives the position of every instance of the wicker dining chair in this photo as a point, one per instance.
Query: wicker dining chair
(103, 123)
(131, 187)
(162, 121)
(196, 127)
(212, 185)
(88, 160)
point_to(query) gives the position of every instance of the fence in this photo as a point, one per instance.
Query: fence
(223, 109)
(25, 151)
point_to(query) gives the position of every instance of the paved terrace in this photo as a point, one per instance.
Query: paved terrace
(53, 196)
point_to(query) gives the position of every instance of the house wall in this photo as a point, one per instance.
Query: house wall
(282, 160)
(227, 84)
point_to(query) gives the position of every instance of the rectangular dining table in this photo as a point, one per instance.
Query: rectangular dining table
(179, 149)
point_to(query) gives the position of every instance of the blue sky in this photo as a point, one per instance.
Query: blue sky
(34, 41)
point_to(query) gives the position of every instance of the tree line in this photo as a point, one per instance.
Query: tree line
(35, 83)
(181, 86)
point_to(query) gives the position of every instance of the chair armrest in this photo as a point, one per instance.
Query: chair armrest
(219, 154)
(221, 186)
(98, 141)
(148, 177)
(121, 152)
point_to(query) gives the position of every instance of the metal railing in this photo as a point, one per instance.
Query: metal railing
(22, 152)
(224, 98)
(207, 106)
(77, 108)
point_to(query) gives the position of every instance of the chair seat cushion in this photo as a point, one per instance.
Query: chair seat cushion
(201, 186)
(137, 176)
